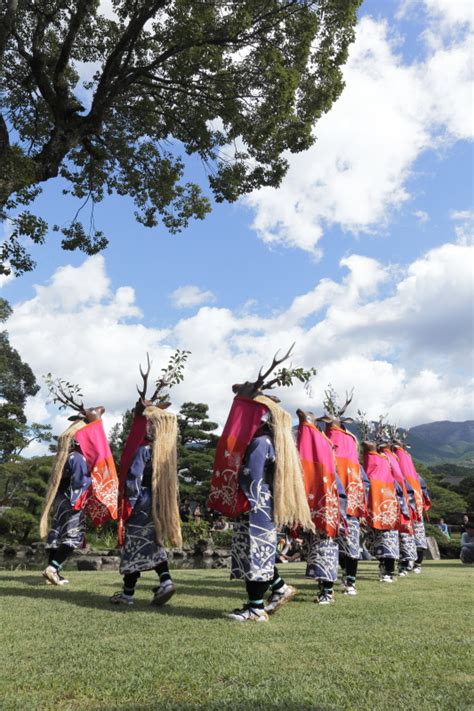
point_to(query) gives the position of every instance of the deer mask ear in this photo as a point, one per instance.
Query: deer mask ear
(326, 419)
(347, 419)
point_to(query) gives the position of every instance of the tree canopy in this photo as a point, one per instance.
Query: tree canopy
(237, 83)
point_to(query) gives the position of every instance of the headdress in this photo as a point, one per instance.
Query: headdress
(151, 414)
(290, 504)
(87, 429)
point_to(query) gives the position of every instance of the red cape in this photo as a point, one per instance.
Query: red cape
(135, 439)
(243, 420)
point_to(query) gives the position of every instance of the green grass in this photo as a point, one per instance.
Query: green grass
(391, 647)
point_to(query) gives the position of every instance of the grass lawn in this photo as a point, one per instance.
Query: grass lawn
(401, 646)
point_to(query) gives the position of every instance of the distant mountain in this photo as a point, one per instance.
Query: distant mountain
(443, 441)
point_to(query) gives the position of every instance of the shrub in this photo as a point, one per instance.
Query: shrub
(448, 547)
(222, 539)
(193, 532)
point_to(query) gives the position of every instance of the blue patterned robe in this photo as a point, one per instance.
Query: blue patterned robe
(420, 535)
(349, 536)
(323, 556)
(140, 550)
(255, 536)
(68, 525)
(386, 544)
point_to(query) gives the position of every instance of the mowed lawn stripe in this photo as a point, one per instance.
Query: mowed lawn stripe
(405, 644)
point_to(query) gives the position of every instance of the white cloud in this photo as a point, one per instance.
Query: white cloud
(185, 297)
(422, 216)
(5, 278)
(389, 113)
(401, 336)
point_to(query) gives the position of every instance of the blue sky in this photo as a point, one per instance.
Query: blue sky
(386, 190)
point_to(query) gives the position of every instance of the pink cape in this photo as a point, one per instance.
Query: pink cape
(406, 525)
(319, 470)
(422, 502)
(243, 420)
(348, 468)
(102, 496)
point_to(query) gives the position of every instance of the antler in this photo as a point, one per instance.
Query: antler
(145, 375)
(349, 397)
(65, 392)
(260, 382)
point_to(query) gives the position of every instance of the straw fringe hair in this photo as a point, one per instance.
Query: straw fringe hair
(64, 445)
(164, 481)
(289, 495)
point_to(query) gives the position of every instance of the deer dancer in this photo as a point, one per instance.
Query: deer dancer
(353, 480)
(257, 480)
(327, 503)
(148, 499)
(421, 497)
(83, 480)
(383, 513)
(406, 499)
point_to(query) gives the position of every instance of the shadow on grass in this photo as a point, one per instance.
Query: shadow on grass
(100, 602)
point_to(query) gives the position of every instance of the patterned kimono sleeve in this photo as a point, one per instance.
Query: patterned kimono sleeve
(80, 479)
(411, 498)
(260, 454)
(401, 500)
(426, 496)
(342, 502)
(366, 483)
(133, 482)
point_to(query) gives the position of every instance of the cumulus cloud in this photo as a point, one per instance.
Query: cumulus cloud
(389, 113)
(185, 297)
(400, 336)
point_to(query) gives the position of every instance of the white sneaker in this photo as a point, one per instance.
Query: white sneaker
(403, 573)
(350, 590)
(325, 598)
(62, 581)
(248, 614)
(279, 598)
(163, 594)
(417, 570)
(386, 579)
(52, 576)
(119, 598)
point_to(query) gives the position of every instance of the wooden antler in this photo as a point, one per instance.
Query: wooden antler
(260, 382)
(349, 397)
(144, 375)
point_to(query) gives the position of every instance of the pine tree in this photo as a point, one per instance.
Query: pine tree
(195, 451)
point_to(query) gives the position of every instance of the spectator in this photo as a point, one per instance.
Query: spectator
(467, 545)
(184, 510)
(465, 523)
(443, 527)
(197, 514)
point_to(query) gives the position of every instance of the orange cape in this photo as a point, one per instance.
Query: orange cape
(319, 470)
(384, 510)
